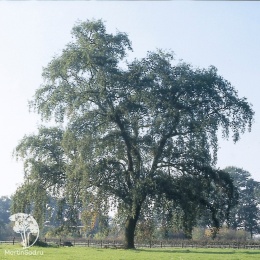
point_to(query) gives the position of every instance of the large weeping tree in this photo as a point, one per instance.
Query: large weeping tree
(133, 133)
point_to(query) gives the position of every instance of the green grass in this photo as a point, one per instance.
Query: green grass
(80, 253)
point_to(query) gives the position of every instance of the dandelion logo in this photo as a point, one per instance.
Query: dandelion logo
(25, 225)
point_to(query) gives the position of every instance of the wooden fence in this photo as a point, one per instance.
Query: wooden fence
(109, 243)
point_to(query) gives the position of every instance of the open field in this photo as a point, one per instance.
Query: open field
(8, 252)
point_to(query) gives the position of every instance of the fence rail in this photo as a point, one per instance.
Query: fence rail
(108, 243)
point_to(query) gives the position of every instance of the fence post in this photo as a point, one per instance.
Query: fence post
(161, 244)
(13, 240)
(101, 243)
(88, 242)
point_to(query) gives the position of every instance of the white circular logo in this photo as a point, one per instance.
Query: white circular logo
(25, 225)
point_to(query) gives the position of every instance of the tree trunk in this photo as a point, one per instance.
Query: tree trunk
(130, 226)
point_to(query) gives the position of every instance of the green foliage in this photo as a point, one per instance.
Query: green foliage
(5, 204)
(246, 214)
(63, 231)
(96, 224)
(235, 235)
(134, 132)
(30, 198)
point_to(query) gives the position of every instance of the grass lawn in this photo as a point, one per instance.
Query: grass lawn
(79, 253)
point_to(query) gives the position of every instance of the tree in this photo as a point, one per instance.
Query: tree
(247, 213)
(5, 203)
(133, 131)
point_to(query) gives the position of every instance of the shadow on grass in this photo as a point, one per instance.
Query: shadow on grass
(198, 252)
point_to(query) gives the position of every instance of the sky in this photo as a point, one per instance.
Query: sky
(223, 34)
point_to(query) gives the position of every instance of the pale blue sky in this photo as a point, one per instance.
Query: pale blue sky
(223, 34)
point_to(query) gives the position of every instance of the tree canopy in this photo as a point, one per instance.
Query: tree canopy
(132, 132)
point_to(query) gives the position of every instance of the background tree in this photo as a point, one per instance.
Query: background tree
(133, 131)
(5, 204)
(247, 213)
